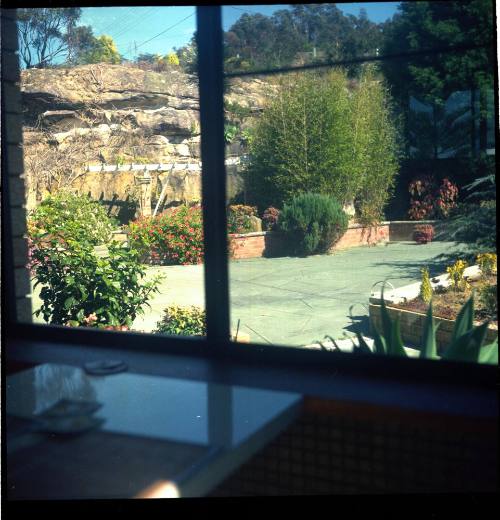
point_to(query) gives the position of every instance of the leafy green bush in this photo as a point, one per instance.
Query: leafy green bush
(488, 297)
(174, 237)
(71, 217)
(313, 223)
(186, 321)
(230, 133)
(320, 134)
(239, 218)
(79, 288)
(487, 262)
(474, 222)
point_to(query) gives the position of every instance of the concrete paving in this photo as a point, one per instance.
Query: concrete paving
(295, 301)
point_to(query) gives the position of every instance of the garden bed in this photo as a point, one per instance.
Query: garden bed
(272, 243)
(447, 304)
(405, 304)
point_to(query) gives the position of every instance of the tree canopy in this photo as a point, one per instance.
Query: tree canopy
(427, 25)
(321, 134)
(310, 32)
(433, 78)
(102, 50)
(44, 33)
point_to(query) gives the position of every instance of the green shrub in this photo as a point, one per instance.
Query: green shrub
(186, 321)
(79, 288)
(474, 221)
(230, 133)
(313, 223)
(239, 218)
(487, 262)
(71, 217)
(488, 297)
(425, 286)
(174, 237)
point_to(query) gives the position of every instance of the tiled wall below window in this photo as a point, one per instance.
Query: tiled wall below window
(345, 449)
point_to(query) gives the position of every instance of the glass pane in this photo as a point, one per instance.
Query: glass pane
(112, 153)
(346, 179)
(125, 419)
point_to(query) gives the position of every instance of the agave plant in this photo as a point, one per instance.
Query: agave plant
(466, 343)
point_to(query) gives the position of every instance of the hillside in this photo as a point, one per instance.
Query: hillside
(112, 114)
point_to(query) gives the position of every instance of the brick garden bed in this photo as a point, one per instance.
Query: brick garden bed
(271, 243)
(412, 320)
(412, 326)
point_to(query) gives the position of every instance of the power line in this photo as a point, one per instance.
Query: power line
(402, 55)
(244, 10)
(168, 29)
(116, 22)
(133, 23)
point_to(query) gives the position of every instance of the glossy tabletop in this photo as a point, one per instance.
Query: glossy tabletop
(158, 436)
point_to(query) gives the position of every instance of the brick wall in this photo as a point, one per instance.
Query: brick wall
(357, 235)
(251, 245)
(269, 243)
(13, 179)
(400, 230)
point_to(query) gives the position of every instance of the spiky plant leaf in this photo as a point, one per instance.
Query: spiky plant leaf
(386, 319)
(362, 346)
(429, 348)
(467, 346)
(395, 344)
(489, 353)
(380, 343)
(465, 320)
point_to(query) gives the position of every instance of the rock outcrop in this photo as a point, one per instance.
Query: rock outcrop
(112, 114)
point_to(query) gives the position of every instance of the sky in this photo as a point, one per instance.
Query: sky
(169, 27)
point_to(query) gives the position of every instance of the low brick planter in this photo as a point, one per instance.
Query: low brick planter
(412, 322)
(358, 235)
(272, 243)
(402, 230)
(412, 326)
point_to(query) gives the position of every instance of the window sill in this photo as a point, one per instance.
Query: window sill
(329, 382)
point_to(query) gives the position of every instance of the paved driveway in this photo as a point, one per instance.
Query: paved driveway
(294, 301)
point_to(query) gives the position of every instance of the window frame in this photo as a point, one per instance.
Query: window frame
(217, 347)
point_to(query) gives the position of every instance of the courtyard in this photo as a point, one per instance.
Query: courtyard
(295, 301)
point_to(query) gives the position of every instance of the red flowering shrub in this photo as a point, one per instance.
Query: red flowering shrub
(422, 198)
(423, 233)
(430, 201)
(270, 218)
(174, 237)
(239, 218)
(446, 199)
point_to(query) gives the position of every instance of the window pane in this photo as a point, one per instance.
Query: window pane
(112, 150)
(345, 179)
